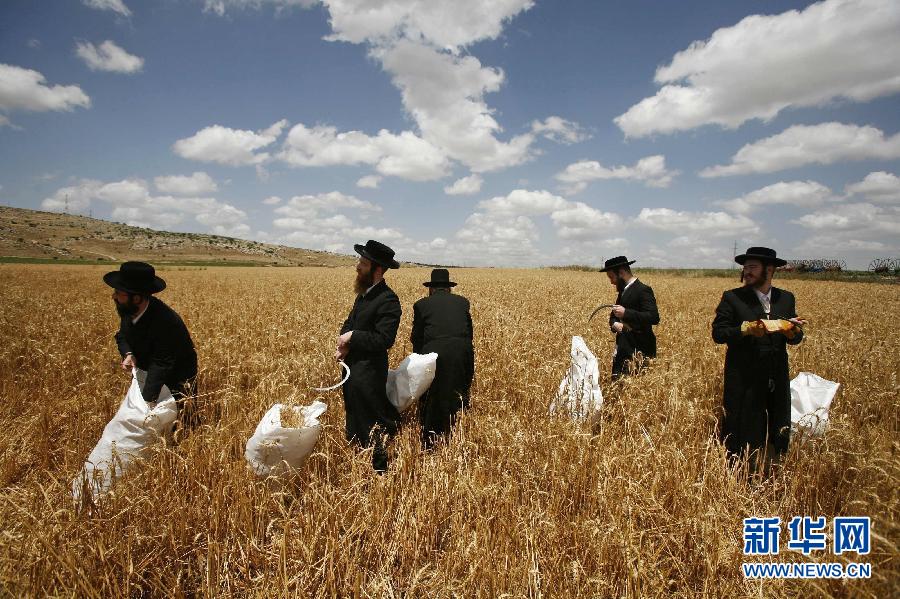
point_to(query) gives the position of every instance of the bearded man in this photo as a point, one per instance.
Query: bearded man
(632, 317)
(151, 335)
(367, 335)
(757, 395)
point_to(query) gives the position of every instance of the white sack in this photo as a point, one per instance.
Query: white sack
(411, 379)
(274, 449)
(136, 426)
(579, 394)
(811, 397)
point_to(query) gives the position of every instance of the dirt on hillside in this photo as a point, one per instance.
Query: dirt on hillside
(31, 234)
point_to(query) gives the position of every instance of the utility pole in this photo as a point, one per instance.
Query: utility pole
(67, 204)
(733, 255)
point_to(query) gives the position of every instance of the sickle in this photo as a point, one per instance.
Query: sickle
(346, 376)
(598, 309)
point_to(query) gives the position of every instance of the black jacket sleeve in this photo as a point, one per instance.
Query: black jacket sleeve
(646, 315)
(121, 342)
(792, 313)
(726, 328)
(387, 321)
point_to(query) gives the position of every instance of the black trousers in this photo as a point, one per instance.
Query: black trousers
(449, 392)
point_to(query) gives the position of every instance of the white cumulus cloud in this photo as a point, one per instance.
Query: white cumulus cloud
(863, 218)
(406, 155)
(331, 221)
(444, 24)
(116, 6)
(832, 50)
(559, 130)
(709, 224)
(220, 7)
(580, 221)
(134, 204)
(465, 186)
(369, 181)
(198, 183)
(807, 194)
(800, 145)
(108, 57)
(651, 171)
(24, 89)
(234, 147)
(420, 44)
(880, 187)
(503, 230)
(444, 93)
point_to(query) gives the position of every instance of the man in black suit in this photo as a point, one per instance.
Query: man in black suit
(367, 335)
(151, 335)
(442, 324)
(631, 318)
(757, 396)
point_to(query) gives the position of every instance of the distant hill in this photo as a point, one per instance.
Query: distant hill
(31, 235)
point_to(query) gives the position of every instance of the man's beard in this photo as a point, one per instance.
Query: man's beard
(363, 281)
(124, 310)
(620, 284)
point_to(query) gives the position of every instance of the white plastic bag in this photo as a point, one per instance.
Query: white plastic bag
(136, 426)
(811, 397)
(274, 449)
(411, 379)
(579, 394)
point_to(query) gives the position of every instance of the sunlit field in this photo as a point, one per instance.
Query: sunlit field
(518, 504)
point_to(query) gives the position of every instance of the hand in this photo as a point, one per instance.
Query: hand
(797, 324)
(754, 328)
(618, 311)
(617, 327)
(344, 340)
(128, 362)
(343, 346)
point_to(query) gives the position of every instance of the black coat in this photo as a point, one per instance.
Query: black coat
(640, 315)
(374, 320)
(442, 324)
(161, 345)
(755, 409)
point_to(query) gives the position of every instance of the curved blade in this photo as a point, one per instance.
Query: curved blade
(344, 380)
(601, 307)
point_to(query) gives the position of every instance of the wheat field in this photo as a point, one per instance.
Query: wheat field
(518, 504)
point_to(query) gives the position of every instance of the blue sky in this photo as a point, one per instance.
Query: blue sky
(510, 133)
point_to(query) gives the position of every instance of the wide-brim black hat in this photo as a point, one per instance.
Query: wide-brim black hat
(135, 277)
(440, 277)
(617, 262)
(378, 253)
(760, 253)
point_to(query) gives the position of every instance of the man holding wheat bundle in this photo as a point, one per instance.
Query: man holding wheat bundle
(757, 322)
(366, 336)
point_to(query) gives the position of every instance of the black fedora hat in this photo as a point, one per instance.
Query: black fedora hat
(614, 263)
(761, 253)
(440, 277)
(378, 253)
(135, 277)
